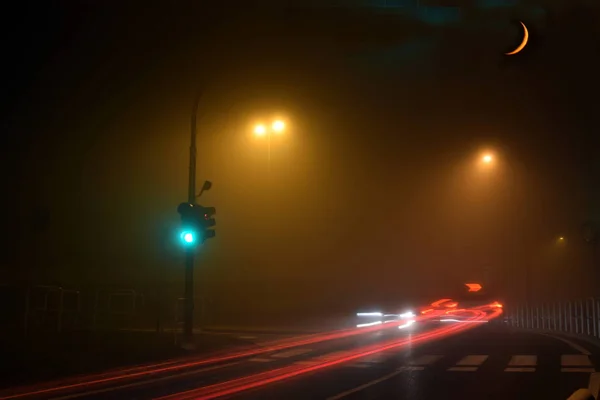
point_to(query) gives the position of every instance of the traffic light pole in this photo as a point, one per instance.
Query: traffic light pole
(188, 317)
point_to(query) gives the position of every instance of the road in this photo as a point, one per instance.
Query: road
(489, 361)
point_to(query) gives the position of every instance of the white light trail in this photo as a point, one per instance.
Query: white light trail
(369, 314)
(407, 324)
(369, 324)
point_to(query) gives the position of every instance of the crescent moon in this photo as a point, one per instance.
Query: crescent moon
(523, 43)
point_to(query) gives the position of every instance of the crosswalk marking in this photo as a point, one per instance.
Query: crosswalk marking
(472, 363)
(590, 370)
(291, 353)
(575, 360)
(473, 360)
(519, 369)
(463, 369)
(425, 360)
(522, 361)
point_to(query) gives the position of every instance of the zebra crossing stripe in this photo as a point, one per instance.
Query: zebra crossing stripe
(519, 369)
(473, 360)
(471, 363)
(588, 370)
(575, 360)
(463, 369)
(522, 361)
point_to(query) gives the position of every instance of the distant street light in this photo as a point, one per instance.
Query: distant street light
(488, 158)
(261, 130)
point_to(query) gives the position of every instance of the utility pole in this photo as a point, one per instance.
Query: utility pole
(188, 313)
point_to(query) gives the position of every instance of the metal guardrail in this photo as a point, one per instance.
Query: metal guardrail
(51, 308)
(580, 317)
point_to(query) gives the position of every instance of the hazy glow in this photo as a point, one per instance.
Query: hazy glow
(407, 324)
(187, 237)
(260, 130)
(487, 158)
(473, 287)
(278, 126)
(408, 314)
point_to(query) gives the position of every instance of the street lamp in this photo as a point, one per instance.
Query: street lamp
(487, 158)
(261, 130)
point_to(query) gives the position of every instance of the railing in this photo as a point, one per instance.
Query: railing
(580, 317)
(29, 309)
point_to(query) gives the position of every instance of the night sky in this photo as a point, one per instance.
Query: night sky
(375, 191)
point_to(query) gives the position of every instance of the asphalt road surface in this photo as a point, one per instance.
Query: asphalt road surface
(489, 361)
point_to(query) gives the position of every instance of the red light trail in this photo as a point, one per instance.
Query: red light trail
(264, 378)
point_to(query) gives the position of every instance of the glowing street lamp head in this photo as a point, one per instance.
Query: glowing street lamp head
(260, 130)
(487, 158)
(278, 126)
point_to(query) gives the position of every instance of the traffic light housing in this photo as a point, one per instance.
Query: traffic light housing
(197, 223)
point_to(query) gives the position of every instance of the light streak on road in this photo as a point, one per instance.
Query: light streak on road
(119, 375)
(369, 324)
(407, 324)
(252, 381)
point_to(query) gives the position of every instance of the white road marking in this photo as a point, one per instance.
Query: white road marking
(366, 385)
(472, 360)
(463, 369)
(259, 359)
(575, 360)
(291, 353)
(594, 385)
(425, 360)
(144, 382)
(588, 370)
(519, 369)
(573, 345)
(521, 361)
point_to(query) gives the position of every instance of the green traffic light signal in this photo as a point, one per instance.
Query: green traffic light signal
(197, 222)
(188, 237)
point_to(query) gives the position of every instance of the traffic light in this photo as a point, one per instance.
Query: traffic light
(196, 222)
(208, 222)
